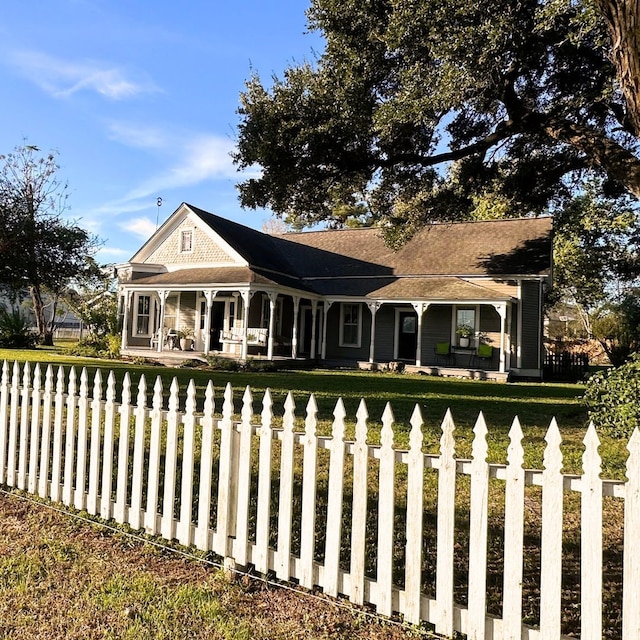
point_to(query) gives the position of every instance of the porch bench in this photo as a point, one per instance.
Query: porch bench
(255, 336)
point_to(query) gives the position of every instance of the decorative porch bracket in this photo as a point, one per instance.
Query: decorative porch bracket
(314, 315)
(162, 294)
(125, 319)
(294, 337)
(273, 298)
(420, 308)
(246, 300)
(373, 308)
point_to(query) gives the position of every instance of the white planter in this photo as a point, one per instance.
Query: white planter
(185, 343)
(463, 342)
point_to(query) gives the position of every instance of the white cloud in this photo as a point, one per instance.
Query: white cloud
(142, 227)
(62, 78)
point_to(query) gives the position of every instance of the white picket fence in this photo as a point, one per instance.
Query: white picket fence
(195, 476)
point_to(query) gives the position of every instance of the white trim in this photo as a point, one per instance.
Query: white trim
(181, 236)
(134, 326)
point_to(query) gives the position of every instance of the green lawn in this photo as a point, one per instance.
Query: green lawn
(535, 404)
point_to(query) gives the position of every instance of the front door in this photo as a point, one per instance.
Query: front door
(217, 325)
(407, 335)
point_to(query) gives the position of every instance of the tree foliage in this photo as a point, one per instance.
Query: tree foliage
(39, 249)
(617, 327)
(423, 110)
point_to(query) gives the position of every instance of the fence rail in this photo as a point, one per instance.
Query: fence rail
(355, 519)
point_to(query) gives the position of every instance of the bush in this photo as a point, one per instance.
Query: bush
(612, 398)
(15, 332)
(93, 346)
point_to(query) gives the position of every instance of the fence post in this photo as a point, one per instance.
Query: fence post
(551, 536)
(135, 512)
(34, 440)
(83, 426)
(4, 416)
(70, 439)
(94, 446)
(223, 527)
(283, 556)
(334, 504)
(151, 512)
(513, 535)
(170, 463)
(243, 480)
(25, 412)
(13, 426)
(120, 508)
(107, 448)
(446, 524)
(415, 500)
(186, 494)
(264, 485)
(56, 461)
(206, 466)
(309, 495)
(359, 506)
(631, 562)
(47, 401)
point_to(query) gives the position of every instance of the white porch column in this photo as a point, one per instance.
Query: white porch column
(501, 308)
(373, 308)
(509, 322)
(209, 295)
(163, 294)
(323, 350)
(294, 337)
(314, 314)
(420, 308)
(246, 300)
(273, 297)
(125, 319)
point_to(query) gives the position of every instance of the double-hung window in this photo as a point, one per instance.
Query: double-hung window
(143, 315)
(350, 324)
(186, 241)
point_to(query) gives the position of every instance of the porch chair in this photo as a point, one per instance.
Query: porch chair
(443, 353)
(484, 353)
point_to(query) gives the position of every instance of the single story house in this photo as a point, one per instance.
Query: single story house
(343, 296)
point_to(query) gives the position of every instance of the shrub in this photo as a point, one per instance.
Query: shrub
(15, 332)
(93, 346)
(612, 398)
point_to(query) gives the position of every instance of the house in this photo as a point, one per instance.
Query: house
(343, 296)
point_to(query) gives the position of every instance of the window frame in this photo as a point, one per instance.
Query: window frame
(184, 233)
(139, 297)
(344, 307)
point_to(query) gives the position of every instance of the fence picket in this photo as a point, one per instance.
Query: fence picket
(446, 523)
(70, 439)
(386, 502)
(186, 490)
(4, 418)
(309, 496)
(415, 500)
(591, 539)
(13, 425)
(25, 414)
(243, 497)
(170, 464)
(124, 411)
(107, 448)
(34, 438)
(94, 444)
(153, 475)
(56, 456)
(206, 468)
(631, 562)
(283, 556)
(81, 447)
(513, 536)
(224, 522)
(551, 536)
(334, 502)
(135, 512)
(264, 485)
(359, 506)
(47, 403)
(478, 532)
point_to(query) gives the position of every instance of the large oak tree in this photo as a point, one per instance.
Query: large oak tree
(423, 110)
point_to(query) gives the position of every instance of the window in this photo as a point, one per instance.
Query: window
(186, 241)
(466, 317)
(143, 315)
(350, 325)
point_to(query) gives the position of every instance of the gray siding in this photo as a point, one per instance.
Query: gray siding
(436, 327)
(531, 325)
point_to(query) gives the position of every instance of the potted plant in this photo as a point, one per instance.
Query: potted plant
(185, 336)
(464, 333)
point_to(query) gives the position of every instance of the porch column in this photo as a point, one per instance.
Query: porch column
(125, 319)
(294, 337)
(420, 308)
(209, 295)
(314, 314)
(163, 294)
(501, 308)
(246, 300)
(373, 308)
(273, 297)
(509, 322)
(327, 306)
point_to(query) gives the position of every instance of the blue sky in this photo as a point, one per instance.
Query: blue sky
(139, 98)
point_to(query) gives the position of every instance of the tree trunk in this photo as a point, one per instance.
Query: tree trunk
(46, 335)
(623, 22)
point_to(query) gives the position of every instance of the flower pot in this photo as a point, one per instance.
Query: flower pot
(463, 342)
(185, 344)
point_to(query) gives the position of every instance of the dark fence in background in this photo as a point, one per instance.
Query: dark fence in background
(565, 366)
